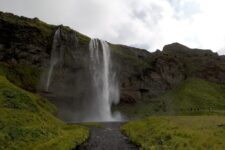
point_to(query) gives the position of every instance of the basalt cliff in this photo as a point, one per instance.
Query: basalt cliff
(25, 52)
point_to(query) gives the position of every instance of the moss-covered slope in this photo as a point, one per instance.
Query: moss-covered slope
(194, 96)
(178, 133)
(27, 122)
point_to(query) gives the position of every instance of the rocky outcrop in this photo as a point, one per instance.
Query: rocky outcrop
(145, 75)
(23, 40)
(198, 63)
(142, 75)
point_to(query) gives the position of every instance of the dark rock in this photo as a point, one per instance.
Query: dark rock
(127, 98)
(142, 75)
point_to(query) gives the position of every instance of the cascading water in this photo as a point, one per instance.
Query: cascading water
(55, 56)
(80, 101)
(104, 83)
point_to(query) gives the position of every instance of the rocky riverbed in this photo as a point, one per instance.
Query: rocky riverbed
(107, 136)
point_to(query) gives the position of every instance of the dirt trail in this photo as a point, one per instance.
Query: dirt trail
(107, 137)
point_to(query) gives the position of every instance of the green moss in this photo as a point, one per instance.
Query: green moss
(196, 94)
(45, 29)
(83, 39)
(178, 133)
(127, 55)
(23, 76)
(192, 97)
(72, 136)
(27, 122)
(141, 109)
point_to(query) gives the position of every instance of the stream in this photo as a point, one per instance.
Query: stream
(107, 137)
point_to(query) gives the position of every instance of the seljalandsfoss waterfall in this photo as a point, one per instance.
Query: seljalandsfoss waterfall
(82, 94)
(104, 81)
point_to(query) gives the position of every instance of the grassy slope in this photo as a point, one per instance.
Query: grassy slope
(193, 97)
(178, 132)
(199, 94)
(22, 76)
(27, 122)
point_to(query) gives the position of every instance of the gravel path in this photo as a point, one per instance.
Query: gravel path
(108, 137)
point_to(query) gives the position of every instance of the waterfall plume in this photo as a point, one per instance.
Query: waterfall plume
(55, 56)
(82, 94)
(104, 83)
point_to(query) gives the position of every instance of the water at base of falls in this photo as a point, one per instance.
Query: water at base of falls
(104, 83)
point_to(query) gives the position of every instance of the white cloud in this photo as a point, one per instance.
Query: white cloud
(147, 24)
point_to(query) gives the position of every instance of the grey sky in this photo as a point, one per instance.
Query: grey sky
(148, 24)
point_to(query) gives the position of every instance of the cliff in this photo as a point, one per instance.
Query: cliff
(25, 49)
(28, 121)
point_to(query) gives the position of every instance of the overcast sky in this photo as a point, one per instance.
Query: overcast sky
(148, 24)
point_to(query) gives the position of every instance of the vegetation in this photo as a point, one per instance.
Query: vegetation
(197, 95)
(178, 132)
(83, 39)
(23, 76)
(43, 27)
(127, 55)
(192, 97)
(27, 122)
(193, 58)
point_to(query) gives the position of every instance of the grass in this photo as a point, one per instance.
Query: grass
(128, 56)
(192, 97)
(178, 133)
(83, 39)
(23, 76)
(198, 94)
(27, 121)
(140, 109)
(45, 29)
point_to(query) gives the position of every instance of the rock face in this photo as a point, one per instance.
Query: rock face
(24, 40)
(146, 75)
(142, 75)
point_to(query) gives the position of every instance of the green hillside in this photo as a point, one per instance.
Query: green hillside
(192, 97)
(178, 133)
(27, 122)
(196, 96)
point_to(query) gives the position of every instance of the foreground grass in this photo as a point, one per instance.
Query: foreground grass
(192, 97)
(178, 133)
(27, 122)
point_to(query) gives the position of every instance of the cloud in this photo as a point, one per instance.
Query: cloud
(148, 24)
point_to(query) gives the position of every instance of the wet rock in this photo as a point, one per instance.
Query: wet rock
(142, 75)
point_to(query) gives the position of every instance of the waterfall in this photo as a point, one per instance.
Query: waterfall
(55, 56)
(82, 93)
(104, 83)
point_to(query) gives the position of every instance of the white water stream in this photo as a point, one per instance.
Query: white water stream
(104, 80)
(55, 56)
